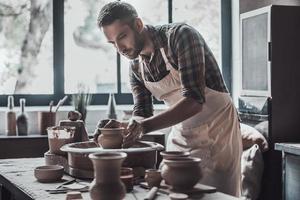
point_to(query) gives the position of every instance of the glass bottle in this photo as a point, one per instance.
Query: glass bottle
(10, 117)
(22, 119)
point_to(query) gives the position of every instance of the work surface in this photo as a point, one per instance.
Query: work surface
(17, 176)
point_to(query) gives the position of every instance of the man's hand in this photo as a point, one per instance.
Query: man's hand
(135, 131)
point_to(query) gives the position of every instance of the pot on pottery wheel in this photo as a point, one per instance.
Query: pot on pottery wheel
(111, 138)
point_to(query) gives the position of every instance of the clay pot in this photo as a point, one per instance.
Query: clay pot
(182, 173)
(153, 177)
(172, 155)
(111, 138)
(127, 178)
(107, 183)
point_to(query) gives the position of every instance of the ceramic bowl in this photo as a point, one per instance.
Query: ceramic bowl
(49, 173)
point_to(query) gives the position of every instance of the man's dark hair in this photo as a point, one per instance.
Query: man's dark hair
(116, 10)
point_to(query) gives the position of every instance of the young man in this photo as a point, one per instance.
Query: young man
(174, 64)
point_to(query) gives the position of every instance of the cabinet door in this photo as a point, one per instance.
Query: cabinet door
(291, 179)
(255, 38)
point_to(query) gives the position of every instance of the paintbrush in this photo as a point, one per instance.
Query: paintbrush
(51, 105)
(61, 102)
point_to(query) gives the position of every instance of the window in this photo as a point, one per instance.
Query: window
(26, 47)
(89, 59)
(204, 16)
(48, 53)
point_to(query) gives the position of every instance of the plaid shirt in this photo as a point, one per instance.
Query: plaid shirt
(188, 53)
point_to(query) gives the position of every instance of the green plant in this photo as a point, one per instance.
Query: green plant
(81, 100)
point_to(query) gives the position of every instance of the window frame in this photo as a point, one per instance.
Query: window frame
(121, 98)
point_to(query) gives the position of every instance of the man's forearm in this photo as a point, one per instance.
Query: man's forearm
(184, 109)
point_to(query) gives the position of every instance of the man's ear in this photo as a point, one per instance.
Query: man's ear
(138, 24)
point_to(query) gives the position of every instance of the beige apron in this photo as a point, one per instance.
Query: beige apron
(212, 135)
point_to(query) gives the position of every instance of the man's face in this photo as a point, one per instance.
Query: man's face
(126, 40)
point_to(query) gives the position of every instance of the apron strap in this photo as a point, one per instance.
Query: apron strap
(142, 68)
(168, 64)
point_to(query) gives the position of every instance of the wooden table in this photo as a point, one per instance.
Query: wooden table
(17, 178)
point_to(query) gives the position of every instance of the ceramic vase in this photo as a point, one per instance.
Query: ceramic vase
(111, 138)
(182, 173)
(107, 183)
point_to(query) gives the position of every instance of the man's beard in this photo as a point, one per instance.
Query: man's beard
(138, 47)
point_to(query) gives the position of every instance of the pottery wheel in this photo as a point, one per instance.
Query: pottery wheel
(141, 155)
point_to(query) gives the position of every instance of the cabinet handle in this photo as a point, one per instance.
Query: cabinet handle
(269, 51)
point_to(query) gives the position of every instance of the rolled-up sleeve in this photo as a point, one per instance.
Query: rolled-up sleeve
(142, 97)
(189, 49)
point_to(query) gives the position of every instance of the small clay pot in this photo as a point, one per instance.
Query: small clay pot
(153, 177)
(111, 138)
(127, 178)
(182, 173)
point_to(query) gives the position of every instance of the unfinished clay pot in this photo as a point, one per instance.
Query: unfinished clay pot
(153, 177)
(107, 183)
(182, 173)
(111, 138)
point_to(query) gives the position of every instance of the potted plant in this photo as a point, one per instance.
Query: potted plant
(81, 100)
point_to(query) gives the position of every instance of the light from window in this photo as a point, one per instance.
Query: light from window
(26, 47)
(89, 59)
(204, 15)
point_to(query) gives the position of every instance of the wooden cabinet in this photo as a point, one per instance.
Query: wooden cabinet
(290, 170)
(269, 80)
